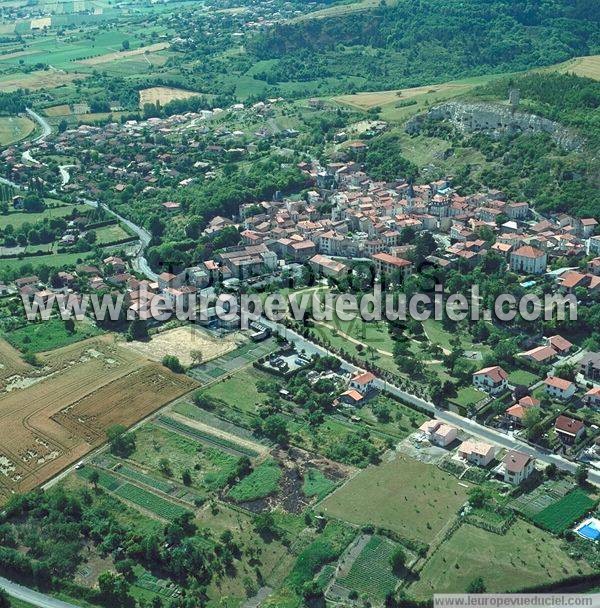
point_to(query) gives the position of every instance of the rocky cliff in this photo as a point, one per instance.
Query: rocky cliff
(495, 119)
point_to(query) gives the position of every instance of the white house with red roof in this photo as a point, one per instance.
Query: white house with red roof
(569, 429)
(561, 345)
(477, 452)
(491, 379)
(592, 397)
(439, 433)
(517, 467)
(528, 260)
(559, 388)
(516, 412)
(363, 383)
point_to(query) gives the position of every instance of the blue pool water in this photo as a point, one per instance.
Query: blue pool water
(589, 531)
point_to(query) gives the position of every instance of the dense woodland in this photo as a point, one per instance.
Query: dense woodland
(416, 41)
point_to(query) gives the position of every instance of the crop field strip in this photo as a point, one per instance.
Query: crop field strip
(150, 501)
(559, 516)
(207, 438)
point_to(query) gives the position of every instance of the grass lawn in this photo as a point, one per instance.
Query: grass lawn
(49, 335)
(239, 391)
(32, 263)
(467, 395)
(524, 556)
(111, 234)
(262, 482)
(522, 376)
(371, 574)
(405, 495)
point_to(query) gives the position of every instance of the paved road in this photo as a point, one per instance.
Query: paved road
(33, 597)
(470, 426)
(46, 128)
(140, 263)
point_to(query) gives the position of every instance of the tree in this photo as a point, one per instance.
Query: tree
(125, 45)
(398, 560)
(476, 586)
(62, 126)
(581, 474)
(4, 599)
(196, 356)
(186, 477)
(551, 471)
(94, 478)
(275, 427)
(173, 363)
(70, 326)
(138, 330)
(121, 443)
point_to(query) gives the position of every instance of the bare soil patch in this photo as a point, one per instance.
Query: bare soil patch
(164, 95)
(181, 341)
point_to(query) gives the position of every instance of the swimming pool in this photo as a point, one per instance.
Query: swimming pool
(589, 529)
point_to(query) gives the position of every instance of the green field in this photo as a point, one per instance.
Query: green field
(522, 376)
(49, 335)
(524, 556)
(111, 234)
(407, 496)
(371, 573)
(105, 480)
(18, 218)
(14, 128)
(32, 263)
(262, 482)
(316, 484)
(559, 516)
(210, 468)
(239, 391)
(150, 502)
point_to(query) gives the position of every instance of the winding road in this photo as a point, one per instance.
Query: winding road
(33, 597)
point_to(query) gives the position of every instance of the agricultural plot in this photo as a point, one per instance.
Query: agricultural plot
(18, 218)
(209, 436)
(262, 482)
(36, 80)
(371, 573)
(317, 484)
(14, 128)
(121, 55)
(426, 497)
(105, 480)
(112, 234)
(522, 557)
(164, 451)
(150, 502)
(559, 516)
(588, 67)
(11, 363)
(56, 417)
(545, 495)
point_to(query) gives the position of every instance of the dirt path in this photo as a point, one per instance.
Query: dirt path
(205, 428)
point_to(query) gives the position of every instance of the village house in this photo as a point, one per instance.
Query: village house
(438, 433)
(244, 262)
(364, 383)
(516, 412)
(350, 397)
(517, 467)
(592, 397)
(324, 266)
(589, 366)
(568, 429)
(561, 345)
(540, 354)
(386, 264)
(492, 380)
(528, 260)
(558, 388)
(476, 452)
